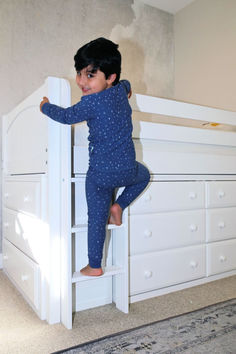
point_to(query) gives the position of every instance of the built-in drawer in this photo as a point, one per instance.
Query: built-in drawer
(220, 194)
(153, 232)
(220, 224)
(23, 196)
(26, 232)
(167, 196)
(164, 268)
(221, 257)
(23, 271)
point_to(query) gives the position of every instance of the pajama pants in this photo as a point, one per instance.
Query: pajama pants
(100, 187)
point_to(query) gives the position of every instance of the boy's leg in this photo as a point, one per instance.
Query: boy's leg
(131, 192)
(98, 201)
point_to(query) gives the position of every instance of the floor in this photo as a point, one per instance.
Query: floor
(208, 330)
(22, 332)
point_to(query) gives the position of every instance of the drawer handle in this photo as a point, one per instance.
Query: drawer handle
(26, 199)
(6, 224)
(193, 264)
(5, 257)
(24, 277)
(221, 224)
(221, 194)
(193, 227)
(223, 259)
(192, 195)
(147, 233)
(147, 198)
(148, 274)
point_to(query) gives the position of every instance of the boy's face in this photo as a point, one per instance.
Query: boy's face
(92, 82)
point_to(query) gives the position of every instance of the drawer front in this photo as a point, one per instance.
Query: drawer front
(220, 224)
(22, 196)
(220, 194)
(26, 232)
(167, 196)
(165, 268)
(221, 257)
(23, 271)
(153, 232)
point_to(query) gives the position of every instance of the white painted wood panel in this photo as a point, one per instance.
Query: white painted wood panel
(164, 150)
(23, 271)
(153, 232)
(163, 157)
(172, 108)
(221, 257)
(26, 136)
(23, 196)
(160, 269)
(220, 194)
(169, 196)
(220, 224)
(27, 233)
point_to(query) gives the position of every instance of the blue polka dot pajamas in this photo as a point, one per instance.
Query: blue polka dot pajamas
(112, 162)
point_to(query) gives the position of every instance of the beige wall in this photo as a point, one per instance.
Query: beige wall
(39, 38)
(205, 53)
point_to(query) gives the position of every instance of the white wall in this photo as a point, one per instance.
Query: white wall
(205, 53)
(39, 38)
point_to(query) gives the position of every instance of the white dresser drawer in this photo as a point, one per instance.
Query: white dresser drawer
(167, 196)
(160, 269)
(221, 257)
(153, 232)
(220, 224)
(23, 196)
(27, 233)
(220, 194)
(23, 271)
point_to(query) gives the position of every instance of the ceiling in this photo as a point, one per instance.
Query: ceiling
(171, 6)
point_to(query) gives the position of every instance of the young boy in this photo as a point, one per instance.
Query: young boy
(105, 107)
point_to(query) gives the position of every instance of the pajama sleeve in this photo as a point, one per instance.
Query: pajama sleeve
(71, 115)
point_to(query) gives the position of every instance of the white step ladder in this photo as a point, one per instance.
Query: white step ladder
(116, 271)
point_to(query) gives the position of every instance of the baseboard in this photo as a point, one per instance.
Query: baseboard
(1, 265)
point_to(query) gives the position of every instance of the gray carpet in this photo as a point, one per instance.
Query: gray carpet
(209, 330)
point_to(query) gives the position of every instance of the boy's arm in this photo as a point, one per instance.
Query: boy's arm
(127, 87)
(71, 115)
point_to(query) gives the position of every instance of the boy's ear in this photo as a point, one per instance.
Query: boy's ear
(111, 78)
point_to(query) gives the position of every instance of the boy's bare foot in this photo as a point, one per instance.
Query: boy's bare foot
(91, 272)
(115, 215)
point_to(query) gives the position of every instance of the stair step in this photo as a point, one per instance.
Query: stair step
(108, 272)
(84, 227)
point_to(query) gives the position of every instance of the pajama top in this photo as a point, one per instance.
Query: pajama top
(108, 116)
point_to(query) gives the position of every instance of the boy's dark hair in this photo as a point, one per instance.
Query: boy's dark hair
(102, 54)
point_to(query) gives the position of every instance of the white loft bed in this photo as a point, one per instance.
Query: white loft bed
(184, 223)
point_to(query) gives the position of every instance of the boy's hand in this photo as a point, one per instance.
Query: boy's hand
(45, 100)
(130, 94)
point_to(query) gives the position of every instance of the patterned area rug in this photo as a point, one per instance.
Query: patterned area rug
(209, 330)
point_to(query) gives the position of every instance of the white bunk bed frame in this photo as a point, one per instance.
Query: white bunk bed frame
(41, 189)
